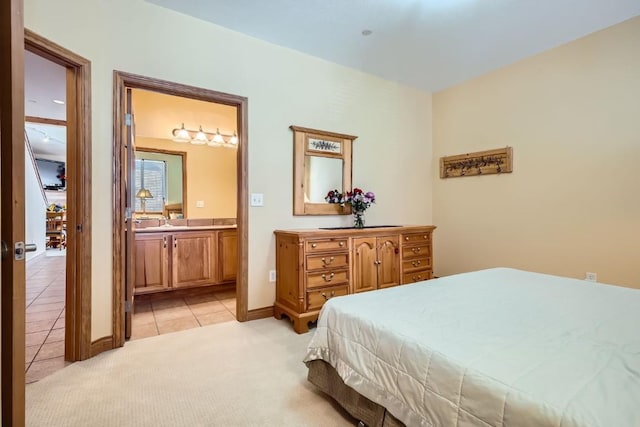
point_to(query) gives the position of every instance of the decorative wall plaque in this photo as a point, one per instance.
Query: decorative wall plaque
(478, 163)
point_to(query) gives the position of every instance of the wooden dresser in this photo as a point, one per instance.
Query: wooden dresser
(315, 265)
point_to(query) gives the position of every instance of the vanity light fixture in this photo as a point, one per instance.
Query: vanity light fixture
(200, 137)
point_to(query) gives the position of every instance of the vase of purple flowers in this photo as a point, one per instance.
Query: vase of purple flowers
(360, 202)
(358, 199)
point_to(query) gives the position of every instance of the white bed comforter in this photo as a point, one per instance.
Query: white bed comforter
(497, 347)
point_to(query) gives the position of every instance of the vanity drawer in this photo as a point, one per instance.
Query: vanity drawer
(416, 237)
(327, 278)
(416, 251)
(321, 245)
(416, 264)
(316, 299)
(318, 262)
(416, 276)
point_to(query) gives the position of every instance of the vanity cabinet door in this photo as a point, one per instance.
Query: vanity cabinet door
(151, 262)
(228, 256)
(194, 255)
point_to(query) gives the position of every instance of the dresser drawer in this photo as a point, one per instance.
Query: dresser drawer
(321, 245)
(327, 278)
(416, 237)
(416, 251)
(319, 262)
(316, 299)
(416, 276)
(416, 264)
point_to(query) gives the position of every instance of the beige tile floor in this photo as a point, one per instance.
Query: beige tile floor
(172, 314)
(45, 289)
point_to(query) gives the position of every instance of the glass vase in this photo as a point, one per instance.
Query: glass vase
(358, 219)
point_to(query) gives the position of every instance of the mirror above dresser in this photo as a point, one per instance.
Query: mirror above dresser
(322, 162)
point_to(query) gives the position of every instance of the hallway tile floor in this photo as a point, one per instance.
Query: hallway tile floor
(45, 300)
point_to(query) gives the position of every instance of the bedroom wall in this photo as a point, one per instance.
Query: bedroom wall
(284, 87)
(571, 204)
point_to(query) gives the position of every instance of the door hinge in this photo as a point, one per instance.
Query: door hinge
(127, 306)
(127, 119)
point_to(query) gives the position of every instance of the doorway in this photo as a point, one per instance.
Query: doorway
(125, 221)
(15, 39)
(45, 215)
(68, 188)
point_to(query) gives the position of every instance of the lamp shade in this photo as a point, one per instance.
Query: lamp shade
(181, 135)
(143, 193)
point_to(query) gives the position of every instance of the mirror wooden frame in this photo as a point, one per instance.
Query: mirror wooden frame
(301, 148)
(183, 155)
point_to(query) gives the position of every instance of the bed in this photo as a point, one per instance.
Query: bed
(497, 347)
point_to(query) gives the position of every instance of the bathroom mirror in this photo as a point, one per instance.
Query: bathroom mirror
(163, 173)
(322, 162)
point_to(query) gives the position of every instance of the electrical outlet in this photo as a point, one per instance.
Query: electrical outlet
(257, 199)
(272, 275)
(591, 277)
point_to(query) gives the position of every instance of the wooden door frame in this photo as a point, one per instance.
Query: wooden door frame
(123, 80)
(78, 259)
(12, 200)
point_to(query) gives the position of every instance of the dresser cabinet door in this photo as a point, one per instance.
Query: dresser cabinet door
(152, 262)
(388, 249)
(194, 255)
(365, 266)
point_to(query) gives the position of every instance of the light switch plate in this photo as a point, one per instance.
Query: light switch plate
(200, 204)
(257, 199)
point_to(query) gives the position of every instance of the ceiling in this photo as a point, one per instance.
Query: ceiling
(45, 81)
(428, 44)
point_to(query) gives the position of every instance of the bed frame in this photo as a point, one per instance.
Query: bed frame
(323, 376)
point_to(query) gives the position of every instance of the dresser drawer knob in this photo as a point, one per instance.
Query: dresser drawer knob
(325, 262)
(341, 244)
(406, 238)
(313, 245)
(328, 279)
(425, 237)
(415, 250)
(333, 294)
(416, 263)
(415, 279)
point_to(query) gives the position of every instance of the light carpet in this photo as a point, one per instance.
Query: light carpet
(228, 374)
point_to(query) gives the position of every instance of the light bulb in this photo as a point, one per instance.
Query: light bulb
(181, 135)
(234, 139)
(218, 137)
(200, 138)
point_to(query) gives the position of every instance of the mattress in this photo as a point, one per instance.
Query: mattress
(498, 347)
